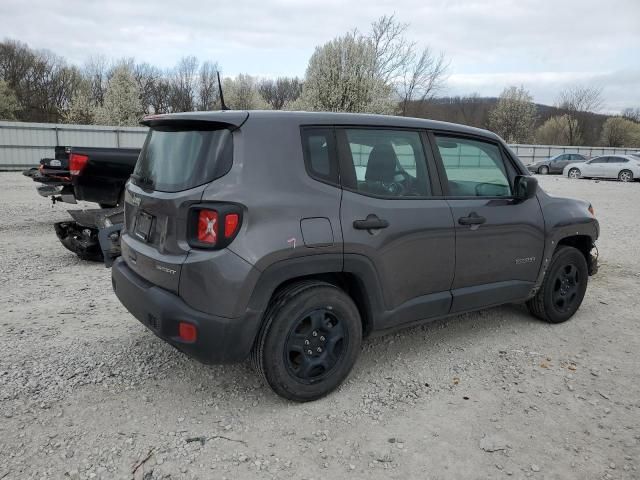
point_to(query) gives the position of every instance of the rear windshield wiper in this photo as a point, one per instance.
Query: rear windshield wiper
(143, 180)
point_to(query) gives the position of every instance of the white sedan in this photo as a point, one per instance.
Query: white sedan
(625, 168)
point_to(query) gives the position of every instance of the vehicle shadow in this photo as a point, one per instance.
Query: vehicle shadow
(379, 353)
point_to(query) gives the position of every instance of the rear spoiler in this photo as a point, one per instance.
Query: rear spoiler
(233, 118)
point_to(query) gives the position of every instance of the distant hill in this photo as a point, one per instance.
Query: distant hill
(474, 111)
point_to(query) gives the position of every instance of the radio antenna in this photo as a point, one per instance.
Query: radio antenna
(222, 105)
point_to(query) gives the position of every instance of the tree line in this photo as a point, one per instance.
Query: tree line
(378, 71)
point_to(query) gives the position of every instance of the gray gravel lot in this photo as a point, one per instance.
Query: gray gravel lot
(88, 392)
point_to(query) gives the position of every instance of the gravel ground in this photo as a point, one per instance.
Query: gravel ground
(88, 392)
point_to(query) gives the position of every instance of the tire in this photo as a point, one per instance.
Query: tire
(543, 170)
(563, 287)
(305, 317)
(625, 176)
(574, 173)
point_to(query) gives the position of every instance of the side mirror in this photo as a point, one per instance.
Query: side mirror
(525, 187)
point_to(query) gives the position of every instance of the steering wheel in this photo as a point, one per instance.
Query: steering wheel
(396, 189)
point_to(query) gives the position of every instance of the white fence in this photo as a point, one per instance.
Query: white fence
(531, 153)
(22, 145)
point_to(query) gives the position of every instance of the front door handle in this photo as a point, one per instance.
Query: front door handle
(472, 219)
(372, 222)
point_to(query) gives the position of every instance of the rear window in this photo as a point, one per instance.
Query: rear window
(176, 158)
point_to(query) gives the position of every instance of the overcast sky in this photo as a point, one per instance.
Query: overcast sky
(541, 44)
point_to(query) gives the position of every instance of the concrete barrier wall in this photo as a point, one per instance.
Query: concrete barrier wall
(22, 144)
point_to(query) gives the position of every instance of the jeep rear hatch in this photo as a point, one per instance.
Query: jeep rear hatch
(179, 159)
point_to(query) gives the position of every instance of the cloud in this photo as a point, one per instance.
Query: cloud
(500, 41)
(620, 89)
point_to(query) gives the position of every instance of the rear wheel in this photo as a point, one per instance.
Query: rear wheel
(543, 170)
(625, 176)
(563, 288)
(574, 173)
(309, 342)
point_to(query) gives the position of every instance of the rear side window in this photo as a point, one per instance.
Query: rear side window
(318, 145)
(180, 157)
(386, 163)
(474, 168)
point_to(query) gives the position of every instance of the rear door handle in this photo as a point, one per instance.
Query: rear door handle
(472, 219)
(372, 222)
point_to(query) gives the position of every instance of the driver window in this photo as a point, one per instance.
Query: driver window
(474, 168)
(388, 163)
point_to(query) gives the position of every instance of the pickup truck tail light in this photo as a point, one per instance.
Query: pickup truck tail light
(213, 226)
(77, 163)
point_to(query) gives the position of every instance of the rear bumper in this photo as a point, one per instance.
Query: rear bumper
(219, 339)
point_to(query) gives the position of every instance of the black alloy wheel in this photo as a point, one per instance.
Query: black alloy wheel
(309, 341)
(315, 345)
(566, 287)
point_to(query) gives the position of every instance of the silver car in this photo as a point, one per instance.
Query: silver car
(556, 163)
(625, 168)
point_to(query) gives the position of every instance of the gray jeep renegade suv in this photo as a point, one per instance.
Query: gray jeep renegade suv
(289, 236)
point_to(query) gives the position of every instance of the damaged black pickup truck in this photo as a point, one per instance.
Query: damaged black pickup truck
(93, 175)
(90, 174)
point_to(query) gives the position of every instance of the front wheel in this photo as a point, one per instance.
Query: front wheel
(625, 176)
(574, 173)
(563, 288)
(543, 170)
(309, 342)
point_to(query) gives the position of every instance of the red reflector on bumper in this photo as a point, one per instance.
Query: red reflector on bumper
(187, 332)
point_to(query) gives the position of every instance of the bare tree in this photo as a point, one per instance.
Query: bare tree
(183, 85)
(576, 101)
(146, 76)
(416, 75)
(160, 98)
(96, 71)
(422, 77)
(580, 99)
(632, 114)
(46, 88)
(280, 92)
(391, 50)
(471, 110)
(208, 95)
(42, 82)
